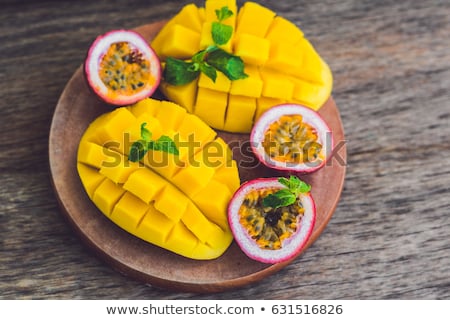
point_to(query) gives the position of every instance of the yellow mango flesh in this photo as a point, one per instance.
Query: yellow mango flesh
(281, 63)
(177, 202)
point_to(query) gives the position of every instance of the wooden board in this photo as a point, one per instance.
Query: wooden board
(77, 107)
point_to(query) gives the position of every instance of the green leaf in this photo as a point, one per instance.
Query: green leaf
(295, 185)
(137, 150)
(281, 198)
(199, 57)
(230, 65)
(209, 71)
(221, 33)
(178, 72)
(145, 133)
(284, 182)
(298, 186)
(303, 187)
(164, 143)
(287, 196)
(223, 13)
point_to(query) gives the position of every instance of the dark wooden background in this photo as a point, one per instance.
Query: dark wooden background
(390, 235)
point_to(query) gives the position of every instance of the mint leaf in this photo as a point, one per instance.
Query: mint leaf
(178, 72)
(137, 150)
(221, 33)
(281, 198)
(146, 135)
(199, 57)
(223, 13)
(284, 182)
(295, 185)
(164, 143)
(230, 65)
(209, 71)
(286, 196)
(303, 187)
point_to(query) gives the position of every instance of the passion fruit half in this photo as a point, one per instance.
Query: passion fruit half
(122, 68)
(270, 234)
(291, 137)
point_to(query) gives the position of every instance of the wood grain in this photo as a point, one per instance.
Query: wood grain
(389, 237)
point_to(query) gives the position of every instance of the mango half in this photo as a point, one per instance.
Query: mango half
(177, 202)
(282, 65)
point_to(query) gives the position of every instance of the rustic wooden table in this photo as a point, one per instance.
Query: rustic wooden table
(389, 237)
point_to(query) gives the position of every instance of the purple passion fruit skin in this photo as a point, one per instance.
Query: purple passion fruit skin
(122, 68)
(288, 245)
(291, 137)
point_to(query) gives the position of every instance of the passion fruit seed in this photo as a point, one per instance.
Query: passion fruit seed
(289, 139)
(268, 226)
(123, 68)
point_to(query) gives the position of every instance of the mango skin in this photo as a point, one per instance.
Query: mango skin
(283, 66)
(175, 202)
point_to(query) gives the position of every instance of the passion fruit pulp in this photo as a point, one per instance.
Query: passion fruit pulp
(122, 68)
(291, 137)
(270, 235)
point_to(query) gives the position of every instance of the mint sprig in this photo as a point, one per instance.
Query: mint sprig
(220, 32)
(140, 147)
(223, 13)
(230, 65)
(179, 72)
(287, 196)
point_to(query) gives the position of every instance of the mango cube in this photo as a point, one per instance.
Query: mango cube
(189, 17)
(171, 202)
(252, 49)
(193, 178)
(276, 86)
(240, 109)
(107, 195)
(263, 104)
(255, 19)
(138, 184)
(181, 42)
(215, 195)
(311, 62)
(211, 107)
(306, 92)
(112, 130)
(170, 116)
(128, 212)
(92, 178)
(225, 175)
(92, 154)
(215, 154)
(146, 106)
(118, 169)
(181, 239)
(283, 58)
(250, 86)
(283, 31)
(197, 223)
(184, 95)
(193, 128)
(155, 227)
(222, 83)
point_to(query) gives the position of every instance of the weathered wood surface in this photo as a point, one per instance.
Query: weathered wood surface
(389, 237)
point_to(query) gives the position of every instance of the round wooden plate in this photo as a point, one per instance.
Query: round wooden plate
(77, 107)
